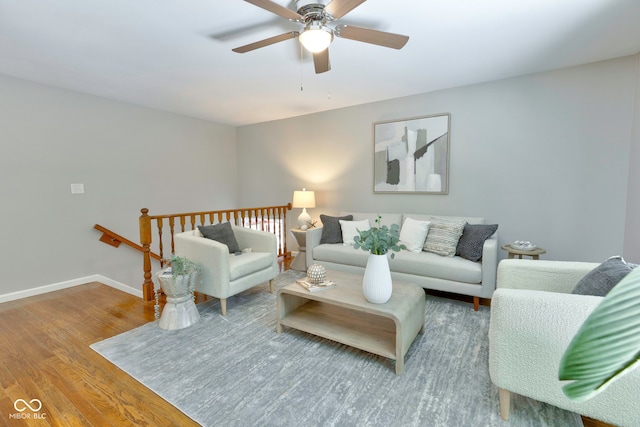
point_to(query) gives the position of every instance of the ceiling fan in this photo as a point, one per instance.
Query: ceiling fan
(317, 35)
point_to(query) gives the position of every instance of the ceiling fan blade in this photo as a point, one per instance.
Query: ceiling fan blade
(266, 42)
(277, 9)
(361, 34)
(339, 8)
(321, 61)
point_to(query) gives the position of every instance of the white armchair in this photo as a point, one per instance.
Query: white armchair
(534, 316)
(225, 274)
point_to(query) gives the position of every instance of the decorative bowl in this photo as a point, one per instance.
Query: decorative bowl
(523, 245)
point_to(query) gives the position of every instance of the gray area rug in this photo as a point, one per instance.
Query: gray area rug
(236, 371)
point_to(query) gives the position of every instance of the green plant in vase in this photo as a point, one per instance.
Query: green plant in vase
(380, 239)
(376, 283)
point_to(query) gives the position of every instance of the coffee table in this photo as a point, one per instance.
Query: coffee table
(343, 314)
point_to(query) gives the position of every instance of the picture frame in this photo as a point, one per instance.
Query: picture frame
(412, 155)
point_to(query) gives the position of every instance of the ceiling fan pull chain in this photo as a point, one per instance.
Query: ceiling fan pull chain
(301, 68)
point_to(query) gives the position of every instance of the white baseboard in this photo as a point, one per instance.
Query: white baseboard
(69, 284)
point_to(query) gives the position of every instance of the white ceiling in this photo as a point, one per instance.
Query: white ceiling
(176, 56)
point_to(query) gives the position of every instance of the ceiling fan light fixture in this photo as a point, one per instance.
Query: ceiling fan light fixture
(316, 37)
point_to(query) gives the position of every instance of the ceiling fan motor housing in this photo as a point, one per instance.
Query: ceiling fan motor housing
(313, 10)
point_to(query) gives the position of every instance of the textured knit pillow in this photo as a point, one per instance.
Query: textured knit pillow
(443, 236)
(414, 233)
(604, 277)
(472, 240)
(331, 231)
(350, 230)
(222, 233)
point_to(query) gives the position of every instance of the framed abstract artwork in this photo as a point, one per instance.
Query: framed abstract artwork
(412, 155)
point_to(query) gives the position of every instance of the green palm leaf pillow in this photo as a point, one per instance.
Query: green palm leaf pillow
(607, 345)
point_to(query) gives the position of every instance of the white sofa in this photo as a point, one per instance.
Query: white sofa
(225, 274)
(429, 270)
(534, 316)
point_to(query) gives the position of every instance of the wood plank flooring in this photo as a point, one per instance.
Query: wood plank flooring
(45, 355)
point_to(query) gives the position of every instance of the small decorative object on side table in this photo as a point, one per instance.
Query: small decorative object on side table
(300, 261)
(520, 248)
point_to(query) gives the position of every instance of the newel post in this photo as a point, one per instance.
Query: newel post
(145, 241)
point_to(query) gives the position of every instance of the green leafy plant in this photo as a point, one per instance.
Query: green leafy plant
(379, 239)
(607, 345)
(181, 265)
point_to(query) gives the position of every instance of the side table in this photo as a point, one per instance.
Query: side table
(300, 261)
(513, 252)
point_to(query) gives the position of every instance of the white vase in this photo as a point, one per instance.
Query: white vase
(180, 311)
(376, 284)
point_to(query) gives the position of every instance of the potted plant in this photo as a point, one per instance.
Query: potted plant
(378, 241)
(178, 283)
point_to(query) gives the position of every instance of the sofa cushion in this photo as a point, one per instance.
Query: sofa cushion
(472, 240)
(429, 264)
(340, 254)
(331, 231)
(422, 264)
(350, 230)
(414, 233)
(251, 262)
(603, 278)
(444, 233)
(222, 233)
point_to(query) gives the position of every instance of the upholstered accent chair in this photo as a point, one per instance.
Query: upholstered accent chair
(534, 316)
(225, 274)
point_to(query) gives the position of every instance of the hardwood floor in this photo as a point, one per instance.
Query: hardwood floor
(46, 356)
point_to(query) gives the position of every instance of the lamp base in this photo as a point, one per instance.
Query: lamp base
(304, 219)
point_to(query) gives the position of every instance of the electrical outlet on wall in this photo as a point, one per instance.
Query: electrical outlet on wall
(77, 188)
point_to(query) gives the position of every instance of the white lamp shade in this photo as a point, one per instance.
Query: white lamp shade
(304, 199)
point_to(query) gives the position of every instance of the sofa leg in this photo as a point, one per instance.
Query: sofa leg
(476, 303)
(223, 306)
(271, 285)
(505, 403)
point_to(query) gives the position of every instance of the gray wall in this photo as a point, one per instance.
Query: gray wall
(545, 156)
(632, 231)
(551, 157)
(127, 157)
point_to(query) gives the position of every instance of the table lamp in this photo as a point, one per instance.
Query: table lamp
(304, 199)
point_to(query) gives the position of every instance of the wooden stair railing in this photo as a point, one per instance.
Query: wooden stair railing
(114, 239)
(269, 218)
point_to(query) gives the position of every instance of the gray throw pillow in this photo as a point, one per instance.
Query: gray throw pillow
(472, 240)
(331, 230)
(222, 233)
(604, 277)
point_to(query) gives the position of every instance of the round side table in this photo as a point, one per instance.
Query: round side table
(513, 252)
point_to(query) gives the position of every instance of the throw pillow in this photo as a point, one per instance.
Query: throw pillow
(350, 230)
(414, 233)
(331, 230)
(222, 233)
(443, 236)
(472, 240)
(604, 277)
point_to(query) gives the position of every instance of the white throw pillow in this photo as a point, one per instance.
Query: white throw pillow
(350, 230)
(413, 234)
